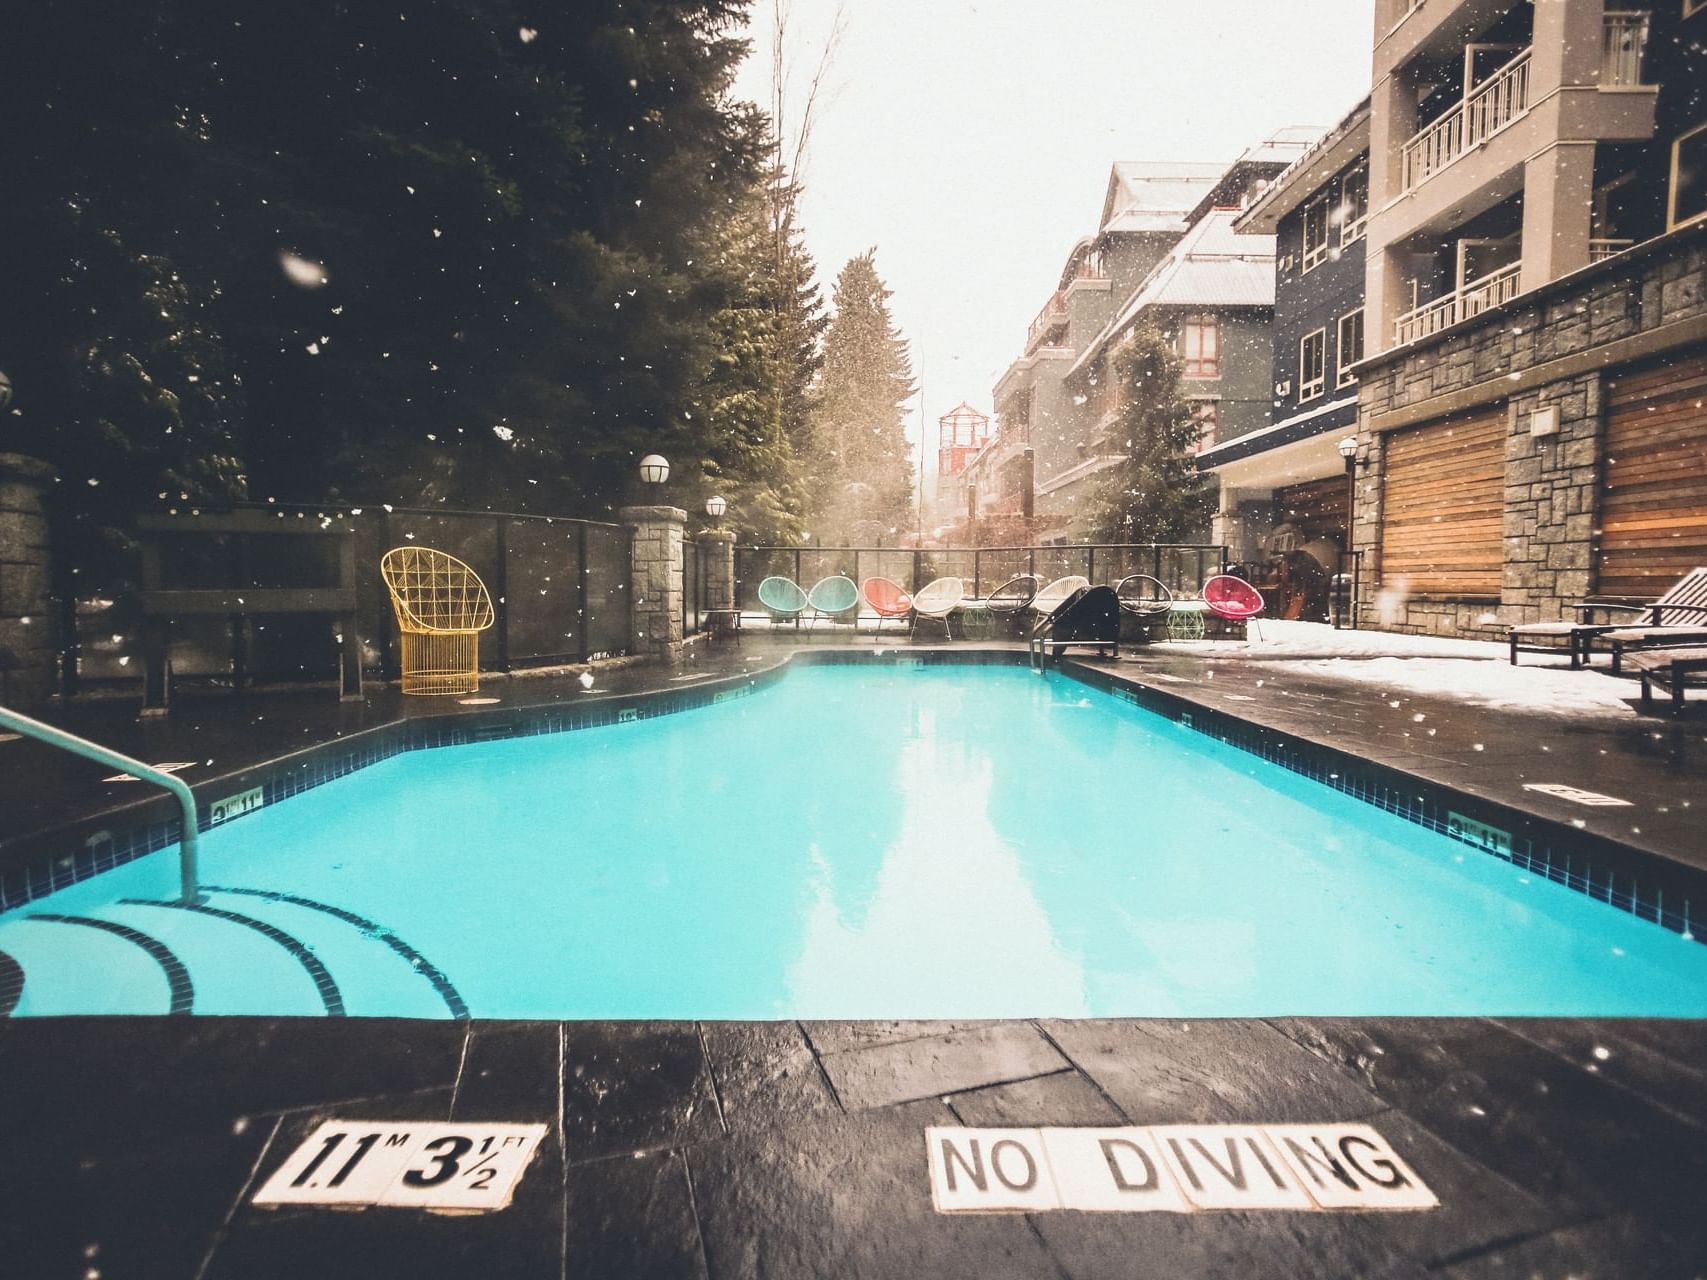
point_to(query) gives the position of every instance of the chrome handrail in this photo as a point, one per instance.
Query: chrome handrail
(20, 723)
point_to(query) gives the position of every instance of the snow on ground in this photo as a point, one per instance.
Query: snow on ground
(1496, 685)
(1476, 672)
(1281, 639)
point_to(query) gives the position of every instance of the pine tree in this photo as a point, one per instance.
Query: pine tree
(1155, 493)
(864, 480)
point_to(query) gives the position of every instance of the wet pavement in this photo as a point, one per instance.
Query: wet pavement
(132, 1147)
(798, 1149)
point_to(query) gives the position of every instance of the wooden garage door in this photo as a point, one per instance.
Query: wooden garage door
(1317, 507)
(1440, 513)
(1653, 505)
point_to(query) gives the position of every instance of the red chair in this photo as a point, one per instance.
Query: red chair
(887, 599)
(1232, 598)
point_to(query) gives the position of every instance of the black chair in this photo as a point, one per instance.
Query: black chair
(1007, 604)
(1089, 617)
(1146, 601)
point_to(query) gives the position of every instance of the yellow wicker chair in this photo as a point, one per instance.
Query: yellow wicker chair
(441, 607)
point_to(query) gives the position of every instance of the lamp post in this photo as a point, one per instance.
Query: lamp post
(1348, 450)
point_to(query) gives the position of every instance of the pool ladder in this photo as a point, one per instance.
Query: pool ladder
(20, 723)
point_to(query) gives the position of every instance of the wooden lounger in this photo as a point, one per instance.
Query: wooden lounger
(1671, 669)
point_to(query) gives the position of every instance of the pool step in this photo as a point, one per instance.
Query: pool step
(237, 951)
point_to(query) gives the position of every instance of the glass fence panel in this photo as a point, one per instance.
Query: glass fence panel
(542, 591)
(610, 626)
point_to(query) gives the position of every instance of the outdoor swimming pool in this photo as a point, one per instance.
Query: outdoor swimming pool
(847, 842)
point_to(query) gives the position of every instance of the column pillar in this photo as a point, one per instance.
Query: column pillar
(717, 567)
(1558, 196)
(1392, 123)
(29, 653)
(655, 579)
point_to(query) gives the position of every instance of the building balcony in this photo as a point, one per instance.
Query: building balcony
(1502, 99)
(1472, 299)
(1050, 327)
(1600, 250)
(1624, 37)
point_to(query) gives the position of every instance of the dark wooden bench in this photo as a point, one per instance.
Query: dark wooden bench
(1670, 669)
(241, 601)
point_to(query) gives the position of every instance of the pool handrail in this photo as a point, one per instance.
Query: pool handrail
(30, 728)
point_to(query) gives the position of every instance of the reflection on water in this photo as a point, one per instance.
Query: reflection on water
(953, 925)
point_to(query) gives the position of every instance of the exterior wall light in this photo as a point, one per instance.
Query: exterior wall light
(1348, 448)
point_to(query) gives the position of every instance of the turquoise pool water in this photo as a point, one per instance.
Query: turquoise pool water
(847, 843)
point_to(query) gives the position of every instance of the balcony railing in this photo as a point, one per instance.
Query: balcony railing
(1499, 101)
(1601, 250)
(1624, 37)
(1474, 298)
(1054, 314)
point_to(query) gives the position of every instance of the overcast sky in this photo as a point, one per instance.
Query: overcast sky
(970, 140)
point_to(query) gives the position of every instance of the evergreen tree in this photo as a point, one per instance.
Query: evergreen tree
(863, 481)
(1155, 493)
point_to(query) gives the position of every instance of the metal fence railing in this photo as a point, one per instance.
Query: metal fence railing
(559, 591)
(1346, 594)
(694, 603)
(1182, 566)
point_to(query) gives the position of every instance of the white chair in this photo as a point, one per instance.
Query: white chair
(938, 600)
(1046, 601)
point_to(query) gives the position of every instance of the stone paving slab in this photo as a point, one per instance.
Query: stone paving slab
(720, 1150)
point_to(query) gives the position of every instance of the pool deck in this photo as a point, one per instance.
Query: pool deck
(1562, 1146)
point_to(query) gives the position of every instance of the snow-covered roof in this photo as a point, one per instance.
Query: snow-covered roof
(1329, 154)
(1149, 195)
(1209, 267)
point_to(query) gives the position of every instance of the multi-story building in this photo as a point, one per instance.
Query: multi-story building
(1283, 483)
(1039, 426)
(1213, 296)
(1530, 421)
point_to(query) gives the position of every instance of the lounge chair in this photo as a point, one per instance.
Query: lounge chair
(1090, 616)
(1010, 600)
(783, 600)
(1679, 616)
(1233, 599)
(441, 608)
(937, 600)
(887, 598)
(1049, 599)
(1672, 669)
(1147, 601)
(832, 598)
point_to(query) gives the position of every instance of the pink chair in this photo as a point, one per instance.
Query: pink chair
(887, 599)
(1234, 599)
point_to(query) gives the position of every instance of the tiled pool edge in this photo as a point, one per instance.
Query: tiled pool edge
(1581, 861)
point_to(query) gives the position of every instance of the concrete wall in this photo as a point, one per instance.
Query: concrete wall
(1551, 348)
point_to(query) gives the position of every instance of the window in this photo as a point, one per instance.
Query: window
(1693, 7)
(1202, 348)
(1354, 204)
(1688, 178)
(1207, 415)
(1312, 365)
(1351, 345)
(1315, 232)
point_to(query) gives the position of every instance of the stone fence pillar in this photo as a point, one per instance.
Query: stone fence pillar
(29, 656)
(655, 579)
(717, 568)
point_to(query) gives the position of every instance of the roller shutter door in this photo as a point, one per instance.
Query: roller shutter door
(1653, 505)
(1441, 508)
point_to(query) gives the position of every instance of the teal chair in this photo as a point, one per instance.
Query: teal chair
(783, 600)
(833, 598)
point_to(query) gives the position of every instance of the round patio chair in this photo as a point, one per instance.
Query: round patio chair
(937, 600)
(887, 598)
(834, 597)
(441, 608)
(1007, 602)
(1147, 601)
(783, 599)
(1233, 599)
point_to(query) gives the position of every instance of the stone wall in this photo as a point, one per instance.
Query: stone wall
(29, 657)
(1548, 349)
